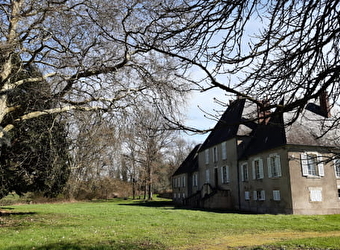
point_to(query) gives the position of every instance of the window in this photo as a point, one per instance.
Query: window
(175, 197)
(257, 169)
(207, 176)
(224, 150)
(315, 194)
(206, 154)
(247, 195)
(215, 154)
(337, 168)
(338, 193)
(225, 174)
(276, 195)
(194, 180)
(259, 195)
(312, 164)
(274, 165)
(244, 172)
(183, 181)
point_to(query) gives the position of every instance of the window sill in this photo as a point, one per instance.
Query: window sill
(313, 177)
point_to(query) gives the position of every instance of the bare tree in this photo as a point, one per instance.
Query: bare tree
(147, 138)
(286, 52)
(85, 52)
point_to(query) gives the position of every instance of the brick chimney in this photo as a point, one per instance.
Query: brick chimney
(324, 104)
(262, 112)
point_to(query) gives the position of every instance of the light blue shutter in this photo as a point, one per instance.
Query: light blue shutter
(304, 164)
(321, 166)
(253, 167)
(242, 175)
(254, 195)
(263, 195)
(224, 150)
(278, 165)
(261, 168)
(269, 164)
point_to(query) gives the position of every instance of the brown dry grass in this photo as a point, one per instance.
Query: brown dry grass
(259, 239)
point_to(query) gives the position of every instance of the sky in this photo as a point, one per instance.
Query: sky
(197, 118)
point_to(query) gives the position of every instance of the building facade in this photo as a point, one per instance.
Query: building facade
(262, 165)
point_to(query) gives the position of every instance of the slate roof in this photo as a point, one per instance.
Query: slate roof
(190, 164)
(308, 130)
(229, 125)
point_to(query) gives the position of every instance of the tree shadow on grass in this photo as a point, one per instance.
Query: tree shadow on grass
(150, 203)
(108, 246)
(171, 205)
(11, 213)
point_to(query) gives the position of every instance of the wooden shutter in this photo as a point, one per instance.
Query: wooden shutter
(304, 164)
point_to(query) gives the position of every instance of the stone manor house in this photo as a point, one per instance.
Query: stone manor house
(263, 165)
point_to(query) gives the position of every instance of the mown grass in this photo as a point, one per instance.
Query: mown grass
(121, 224)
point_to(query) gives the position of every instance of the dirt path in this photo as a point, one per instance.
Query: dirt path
(253, 240)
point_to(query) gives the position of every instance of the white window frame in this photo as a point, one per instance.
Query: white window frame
(225, 178)
(274, 166)
(257, 169)
(224, 150)
(206, 156)
(315, 194)
(306, 159)
(276, 195)
(244, 171)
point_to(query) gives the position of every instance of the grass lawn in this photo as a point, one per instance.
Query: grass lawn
(121, 224)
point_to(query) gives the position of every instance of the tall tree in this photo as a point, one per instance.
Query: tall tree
(148, 139)
(35, 157)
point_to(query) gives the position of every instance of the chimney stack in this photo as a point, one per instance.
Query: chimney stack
(324, 104)
(263, 112)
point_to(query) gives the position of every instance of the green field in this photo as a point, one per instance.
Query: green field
(122, 224)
